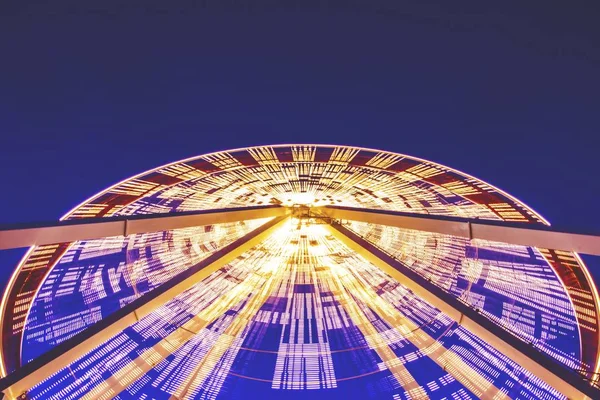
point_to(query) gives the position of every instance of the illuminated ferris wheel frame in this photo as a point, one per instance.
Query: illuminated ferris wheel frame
(561, 378)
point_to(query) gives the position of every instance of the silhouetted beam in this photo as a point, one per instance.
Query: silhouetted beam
(561, 378)
(497, 231)
(95, 228)
(72, 349)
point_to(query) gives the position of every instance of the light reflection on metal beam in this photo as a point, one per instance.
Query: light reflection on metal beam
(566, 381)
(97, 228)
(72, 349)
(496, 231)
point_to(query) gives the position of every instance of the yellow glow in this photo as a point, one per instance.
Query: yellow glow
(291, 199)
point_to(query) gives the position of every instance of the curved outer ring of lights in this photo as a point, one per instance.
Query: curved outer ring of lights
(15, 273)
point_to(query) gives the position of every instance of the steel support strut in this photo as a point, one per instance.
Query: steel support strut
(72, 349)
(498, 231)
(97, 228)
(561, 378)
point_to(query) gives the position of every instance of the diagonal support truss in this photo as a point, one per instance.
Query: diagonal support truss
(97, 228)
(70, 350)
(558, 376)
(497, 231)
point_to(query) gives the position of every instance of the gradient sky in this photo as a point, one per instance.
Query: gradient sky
(89, 97)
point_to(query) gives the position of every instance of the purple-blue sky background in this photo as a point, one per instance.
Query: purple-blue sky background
(90, 95)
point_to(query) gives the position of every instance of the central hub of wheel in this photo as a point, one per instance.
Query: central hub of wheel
(300, 211)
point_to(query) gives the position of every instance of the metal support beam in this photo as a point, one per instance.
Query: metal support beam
(497, 231)
(72, 349)
(96, 228)
(561, 378)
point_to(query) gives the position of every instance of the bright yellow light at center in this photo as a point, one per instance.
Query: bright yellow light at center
(302, 198)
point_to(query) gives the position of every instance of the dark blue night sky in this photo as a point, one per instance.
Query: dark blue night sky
(90, 96)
